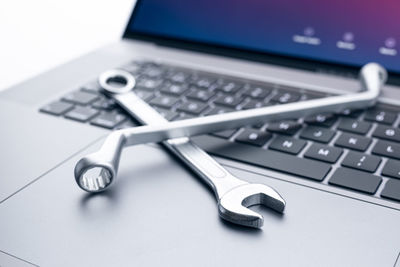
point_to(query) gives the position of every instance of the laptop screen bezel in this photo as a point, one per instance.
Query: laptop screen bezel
(252, 55)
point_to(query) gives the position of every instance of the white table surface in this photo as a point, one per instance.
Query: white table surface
(38, 35)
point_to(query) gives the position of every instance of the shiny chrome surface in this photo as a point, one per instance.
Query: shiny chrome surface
(372, 77)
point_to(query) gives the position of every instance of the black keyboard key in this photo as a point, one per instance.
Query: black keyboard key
(183, 116)
(313, 95)
(270, 159)
(323, 153)
(80, 98)
(284, 97)
(284, 127)
(109, 120)
(173, 89)
(192, 107)
(164, 101)
(356, 180)
(253, 137)
(380, 115)
(387, 149)
(362, 162)
(352, 141)
(218, 110)
(152, 71)
(287, 144)
(255, 104)
(351, 113)
(317, 134)
(105, 104)
(388, 133)
(392, 168)
(57, 108)
(201, 95)
(257, 92)
(204, 82)
(391, 190)
(167, 114)
(354, 126)
(148, 83)
(230, 87)
(225, 134)
(178, 76)
(82, 114)
(326, 120)
(145, 95)
(228, 100)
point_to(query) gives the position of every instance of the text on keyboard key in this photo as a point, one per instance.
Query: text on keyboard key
(323, 153)
(388, 149)
(361, 162)
(380, 115)
(352, 141)
(287, 144)
(354, 126)
(253, 137)
(317, 134)
(388, 133)
(284, 127)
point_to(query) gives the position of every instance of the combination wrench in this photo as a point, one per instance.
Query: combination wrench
(97, 171)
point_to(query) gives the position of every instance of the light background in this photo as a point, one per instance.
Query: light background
(38, 35)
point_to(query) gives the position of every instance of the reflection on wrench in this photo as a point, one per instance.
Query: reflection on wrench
(233, 195)
(97, 171)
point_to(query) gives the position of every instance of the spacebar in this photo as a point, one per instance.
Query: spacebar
(265, 158)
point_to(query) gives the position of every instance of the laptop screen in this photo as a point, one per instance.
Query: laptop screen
(345, 32)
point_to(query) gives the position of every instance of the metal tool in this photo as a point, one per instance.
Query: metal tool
(96, 172)
(233, 194)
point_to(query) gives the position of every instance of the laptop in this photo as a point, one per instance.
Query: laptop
(339, 173)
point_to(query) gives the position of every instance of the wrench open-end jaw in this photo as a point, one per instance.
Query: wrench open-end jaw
(233, 205)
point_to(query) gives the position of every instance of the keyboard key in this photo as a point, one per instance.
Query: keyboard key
(82, 114)
(323, 153)
(355, 180)
(362, 162)
(284, 97)
(228, 100)
(225, 134)
(352, 141)
(387, 149)
(108, 120)
(253, 137)
(145, 95)
(192, 107)
(201, 95)
(392, 169)
(148, 83)
(284, 127)
(105, 104)
(326, 120)
(354, 126)
(164, 101)
(178, 76)
(351, 113)
(230, 87)
(388, 133)
(167, 114)
(313, 95)
(391, 190)
(317, 134)
(183, 116)
(270, 159)
(173, 89)
(127, 124)
(204, 82)
(255, 104)
(257, 92)
(380, 115)
(57, 108)
(152, 71)
(288, 145)
(80, 98)
(218, 110)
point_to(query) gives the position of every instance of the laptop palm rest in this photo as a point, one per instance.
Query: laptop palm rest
(159, 214)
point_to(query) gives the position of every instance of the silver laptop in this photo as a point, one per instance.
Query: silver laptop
(339, 173)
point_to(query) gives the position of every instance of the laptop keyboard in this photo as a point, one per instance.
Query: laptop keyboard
(357, 150)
